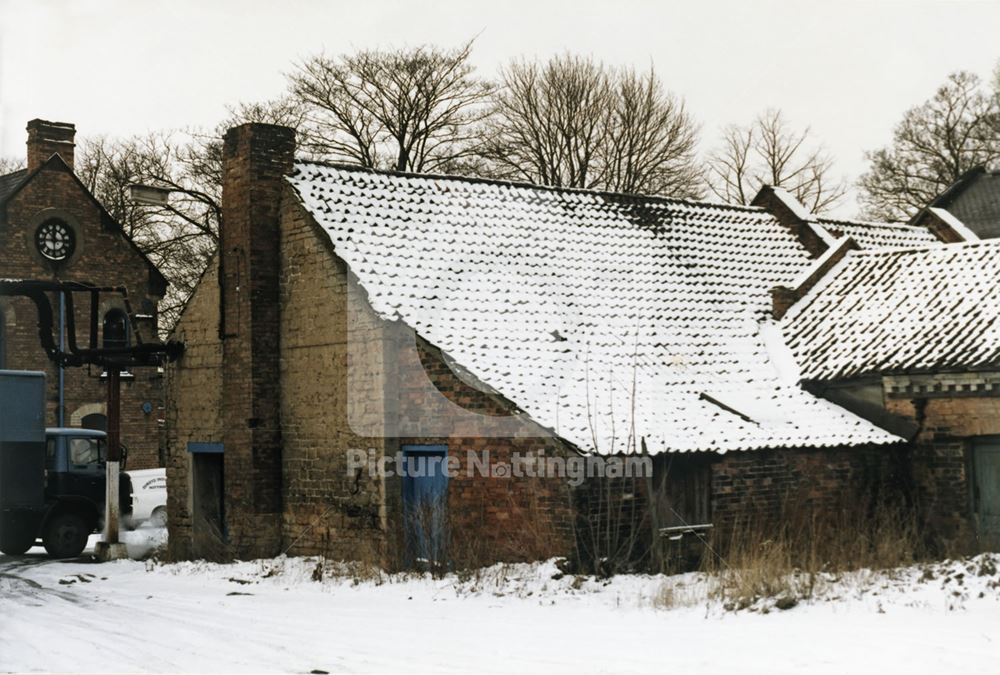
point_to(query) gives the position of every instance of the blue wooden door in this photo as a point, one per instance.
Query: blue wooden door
(986, 469)
(425, 503)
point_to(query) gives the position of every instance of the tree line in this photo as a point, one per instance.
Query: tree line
(569, 121)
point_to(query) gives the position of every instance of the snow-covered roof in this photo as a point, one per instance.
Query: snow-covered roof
(880, 235)
(607, 318)
(935, 308)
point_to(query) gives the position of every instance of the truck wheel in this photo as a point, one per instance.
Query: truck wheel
(65, 535)
(16, 546)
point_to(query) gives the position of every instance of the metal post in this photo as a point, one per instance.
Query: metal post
(110, 548)
(61, 413)
(114, 454)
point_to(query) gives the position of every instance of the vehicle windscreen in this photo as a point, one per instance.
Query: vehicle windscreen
(86, 453)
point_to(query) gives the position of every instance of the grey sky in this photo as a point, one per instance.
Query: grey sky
(848, 69)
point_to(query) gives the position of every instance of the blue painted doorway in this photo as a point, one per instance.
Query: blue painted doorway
(425, 504)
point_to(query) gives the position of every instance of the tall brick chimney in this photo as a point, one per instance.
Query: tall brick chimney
(255, 159)
(49, 138)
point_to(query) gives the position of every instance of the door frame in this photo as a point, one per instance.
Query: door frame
(992, 442)
(435, 552)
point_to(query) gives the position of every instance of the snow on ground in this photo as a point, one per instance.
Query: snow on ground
(303, 614)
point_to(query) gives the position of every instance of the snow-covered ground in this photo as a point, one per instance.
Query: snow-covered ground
(304, 615)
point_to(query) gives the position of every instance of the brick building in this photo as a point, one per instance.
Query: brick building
(909, 338)
(355, 310)
(53, 228)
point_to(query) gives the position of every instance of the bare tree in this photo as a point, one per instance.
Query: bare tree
(769, 152)
(651, 142)
(573, 122)
(935, 143)
(10, 165)
(411, 109)
(178, 238)
(201, 158)
(181, 236)
(550, 120)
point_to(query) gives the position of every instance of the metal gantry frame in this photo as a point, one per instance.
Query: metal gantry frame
(152, 353)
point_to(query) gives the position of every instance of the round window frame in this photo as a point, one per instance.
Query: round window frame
(69, 243)
(72, 224)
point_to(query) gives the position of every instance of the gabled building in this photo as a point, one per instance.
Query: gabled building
(53, 228)
(910, 339)
(973, 199)
(355, 310)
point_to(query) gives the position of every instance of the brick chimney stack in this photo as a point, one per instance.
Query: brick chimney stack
(49, 138)
(256, 157)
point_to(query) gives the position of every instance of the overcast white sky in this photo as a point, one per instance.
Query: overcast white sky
(847, 69)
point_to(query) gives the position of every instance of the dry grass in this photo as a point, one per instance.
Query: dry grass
(674, 594)
(786, 558)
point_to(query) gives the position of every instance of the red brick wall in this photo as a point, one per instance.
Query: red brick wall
(510, 517)
(103, 257)
(764, 483)
(758, 490)
(941, 460)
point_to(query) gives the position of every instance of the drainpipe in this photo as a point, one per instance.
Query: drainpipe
(61, 413)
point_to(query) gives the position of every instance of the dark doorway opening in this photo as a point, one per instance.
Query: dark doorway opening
(208, 503)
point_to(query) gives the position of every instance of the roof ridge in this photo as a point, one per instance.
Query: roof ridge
(534, 186)
(872, 223)
(928, 247)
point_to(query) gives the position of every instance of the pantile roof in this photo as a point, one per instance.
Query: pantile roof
(930, 309)
(607, 318)
(880, 235)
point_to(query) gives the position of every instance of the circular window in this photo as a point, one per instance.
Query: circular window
(55, 239)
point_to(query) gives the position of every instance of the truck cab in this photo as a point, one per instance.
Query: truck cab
(52, 481)
(76, 485)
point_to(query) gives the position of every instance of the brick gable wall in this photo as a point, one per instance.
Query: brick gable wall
(326, 510)
(193, 404)
(103, 257)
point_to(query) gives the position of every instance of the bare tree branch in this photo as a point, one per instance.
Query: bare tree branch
(572, 122)
(770, 152)
(10, 165)
(935, 143)
(407, 109)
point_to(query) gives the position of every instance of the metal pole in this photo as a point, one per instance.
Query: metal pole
(61, 413)
(114, 455)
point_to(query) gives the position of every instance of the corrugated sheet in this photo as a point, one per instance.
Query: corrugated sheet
(929, 309)
(562, 299)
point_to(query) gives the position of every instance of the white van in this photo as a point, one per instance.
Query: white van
(149, 497)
